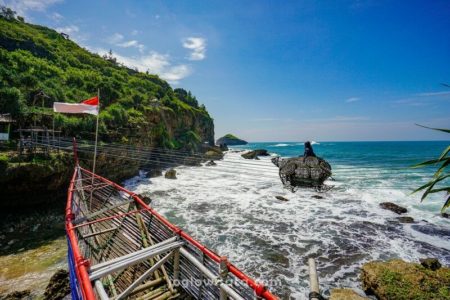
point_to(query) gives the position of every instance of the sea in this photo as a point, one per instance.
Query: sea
(231, 208)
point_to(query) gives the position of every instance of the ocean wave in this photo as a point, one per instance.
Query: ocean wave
(236, 212)
(282, 145)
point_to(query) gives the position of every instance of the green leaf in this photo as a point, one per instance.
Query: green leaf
(441, 168)
(433, 183)
(445, 189)
(444, 153)
(439, 129)
(423, 186)
(425, 163)
(446, 205)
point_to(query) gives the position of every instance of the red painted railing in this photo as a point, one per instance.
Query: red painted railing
(82, 263)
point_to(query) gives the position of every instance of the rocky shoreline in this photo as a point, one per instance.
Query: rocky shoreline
(383, 280)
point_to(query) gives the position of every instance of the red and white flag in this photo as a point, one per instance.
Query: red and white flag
(89, 106)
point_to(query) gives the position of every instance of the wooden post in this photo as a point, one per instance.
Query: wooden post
(313, 279)
(223, 273)
(176, 265)
(96, 134)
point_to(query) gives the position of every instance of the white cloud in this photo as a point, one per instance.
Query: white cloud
(352, 99)
(175, 73)
(198, 47)
(70, 29)
(117, 39)
(155, 63)
(56, 17)
(349, 118)
(23, 6)
(132, 43)
(135, 32)
(433, 94)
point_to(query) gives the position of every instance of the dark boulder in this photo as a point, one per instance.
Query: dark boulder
(171, 174)
(302, 171)
(255, 153)
(213, 155)
(430, 263)
(211, 163)
(393, 207)
(58, 286)
(407, 220)
(316, 197)
(223, 147)
(281, 198)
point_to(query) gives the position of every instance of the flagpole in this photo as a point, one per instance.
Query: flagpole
(96, 132)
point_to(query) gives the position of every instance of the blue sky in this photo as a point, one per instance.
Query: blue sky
(281, 70)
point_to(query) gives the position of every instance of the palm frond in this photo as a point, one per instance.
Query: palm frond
(439, 129)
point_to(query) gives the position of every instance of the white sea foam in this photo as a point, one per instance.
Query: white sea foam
(232, 208)
(282, 145)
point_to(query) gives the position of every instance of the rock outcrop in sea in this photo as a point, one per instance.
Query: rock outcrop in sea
(303, 172)
(255, 153)
(393, 207)
(230, 140)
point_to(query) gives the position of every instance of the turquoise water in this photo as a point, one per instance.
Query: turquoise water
(368, 164)
(232, 208)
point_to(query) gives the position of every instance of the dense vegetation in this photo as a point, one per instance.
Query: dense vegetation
(39, 66)
(231, 136)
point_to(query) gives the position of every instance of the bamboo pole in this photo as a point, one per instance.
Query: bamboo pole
(313, 279)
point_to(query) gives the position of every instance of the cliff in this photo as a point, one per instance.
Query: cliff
(39, 66)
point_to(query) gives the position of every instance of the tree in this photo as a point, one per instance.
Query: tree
(439, 176)
(11, 101)
(7, 13)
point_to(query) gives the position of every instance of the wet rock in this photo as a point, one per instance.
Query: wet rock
(393, 207)
(345, 294)
(303, 171)
(281, 198)
(431, 263)
(317, 197)
(445, 215)
(171, 174)
(58, 286)
(223, 147)
(213, 155)
(397, 279)
(255, 153)
(407, 220)
(211, 163)
(146, 199)
(18, 295)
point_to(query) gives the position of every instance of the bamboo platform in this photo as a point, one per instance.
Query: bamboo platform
(120, 248)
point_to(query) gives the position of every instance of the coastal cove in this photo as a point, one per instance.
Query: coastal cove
(234, 211)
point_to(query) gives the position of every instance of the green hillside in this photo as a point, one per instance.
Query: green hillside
(39, 66)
